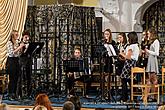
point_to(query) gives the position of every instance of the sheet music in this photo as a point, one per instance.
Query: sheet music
(110, 50)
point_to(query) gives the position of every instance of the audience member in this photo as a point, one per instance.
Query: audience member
(76, 101)
(4, 106)
(43, 99)
(68, 105)
(40, 107)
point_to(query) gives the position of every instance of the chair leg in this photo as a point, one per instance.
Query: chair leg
(158, 94)
(162, 92)
(145, 95)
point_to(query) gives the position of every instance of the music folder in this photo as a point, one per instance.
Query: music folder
(33, 48)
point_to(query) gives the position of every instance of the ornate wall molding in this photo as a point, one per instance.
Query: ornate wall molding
(140, 13)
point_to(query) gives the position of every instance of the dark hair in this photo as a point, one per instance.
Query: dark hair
(110, 37)
(76, 101)
(124, 37)
(132, 37)
(26, 32)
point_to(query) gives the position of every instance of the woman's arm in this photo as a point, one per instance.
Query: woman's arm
(11, 50)
(128, 55)
(156, 46)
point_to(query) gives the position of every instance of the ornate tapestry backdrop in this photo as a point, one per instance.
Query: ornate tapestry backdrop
(12, 16)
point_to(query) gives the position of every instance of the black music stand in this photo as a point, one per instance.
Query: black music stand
(33, 48)
(98, 51)
(73, 65)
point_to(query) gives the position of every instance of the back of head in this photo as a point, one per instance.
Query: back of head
(40, 107)
(68, 105)
(76, 101)
(43, 99)
(132, 37)
(4, 107)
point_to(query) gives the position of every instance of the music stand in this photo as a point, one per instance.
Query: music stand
(33, 48)
(98, 51)
(73, 65)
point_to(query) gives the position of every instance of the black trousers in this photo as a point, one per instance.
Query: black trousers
(12, 68)
(125, 90)
(25, 76)
(84, 78)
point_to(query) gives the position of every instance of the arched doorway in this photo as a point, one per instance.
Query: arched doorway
(154, 16)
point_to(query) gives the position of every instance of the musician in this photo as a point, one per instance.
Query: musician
(25, 67)
(121, 45)
(143, 58)
(111, 48)
(12, 64)
(131, 56)
(77, 76)
(152, 64)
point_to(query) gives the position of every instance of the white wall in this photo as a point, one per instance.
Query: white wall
(119, 15)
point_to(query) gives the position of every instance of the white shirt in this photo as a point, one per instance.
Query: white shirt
(156, 46)
(135, 51)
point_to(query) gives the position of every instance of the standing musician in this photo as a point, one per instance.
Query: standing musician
(143, 58)
(108, 60)
(12, 65)
(131, 56)
(152, 64)
(25, 68)
(121, 45)
(111, 48)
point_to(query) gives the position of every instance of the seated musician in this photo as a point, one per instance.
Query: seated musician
(77, 76)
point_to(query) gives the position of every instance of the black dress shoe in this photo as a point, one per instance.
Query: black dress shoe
(11, 98)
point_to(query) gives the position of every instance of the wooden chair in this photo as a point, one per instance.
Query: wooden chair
(134, 72)
(163, 84)
(144, 87)
(3, 83)
(3, 79)
(80, 85)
